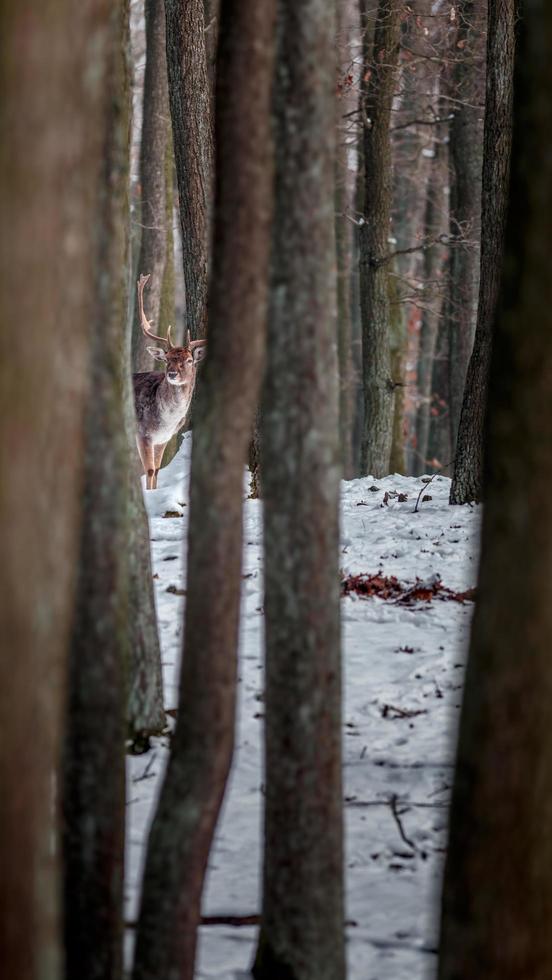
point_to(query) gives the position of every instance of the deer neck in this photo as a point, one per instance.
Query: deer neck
(176, 396)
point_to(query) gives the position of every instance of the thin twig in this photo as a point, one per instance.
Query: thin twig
(393, 802)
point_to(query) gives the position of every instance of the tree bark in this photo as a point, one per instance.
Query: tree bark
(94, 771)
(467, 484)
(50, 152)
(381, 71)
(497, 901)
(301, 933)
(434, 279)
(190, 104)
(202, 746)
(465, 154)
(154, 219)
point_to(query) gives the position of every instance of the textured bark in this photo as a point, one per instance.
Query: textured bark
(155, 133)
(398, 339)
(302, 924)
(497, 902)
(50, 153)
(465, 149)
(381, 71)
(94, 771)
(190, 104)
(434, 266)
(202, 746)
(467, 484)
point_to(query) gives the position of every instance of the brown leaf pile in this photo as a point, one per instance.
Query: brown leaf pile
(388, 587)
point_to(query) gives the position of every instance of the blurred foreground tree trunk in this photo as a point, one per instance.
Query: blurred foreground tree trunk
(51, 136)
(156, 224)
(497, 902)
(192, 792)
(467, 484)
(94, 765)
(190, 105)
(380, 74)
(301, 936)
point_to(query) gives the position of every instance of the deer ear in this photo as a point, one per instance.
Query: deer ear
(199, 353)
(157, 352)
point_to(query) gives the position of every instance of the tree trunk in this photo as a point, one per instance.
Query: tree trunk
(497, 902)
(467, 484)
(202, 746)
(190, 104)
(50, 152)
(465, 150)
(381, 71)
(301, 935)
(434, 278)
(155, 133)
(94, 770)
(343, 248)
(398, 340)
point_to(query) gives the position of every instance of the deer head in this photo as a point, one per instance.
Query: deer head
(180, 362)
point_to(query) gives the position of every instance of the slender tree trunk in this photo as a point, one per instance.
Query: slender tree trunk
(202, 746)
(155, 133)
(301, 933)
(190, 104)
(497, 902)
(211, 15)
(467, 484)
(465, 149)
(51, 122)
(343, 247)
(381, 71)
(94, 772)
(398, 339)
(439, 449)
(434, 279)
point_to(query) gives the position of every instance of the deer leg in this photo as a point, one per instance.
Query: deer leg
(146, 451)
(158, 458)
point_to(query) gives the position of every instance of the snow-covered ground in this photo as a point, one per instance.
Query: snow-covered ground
(403, 670)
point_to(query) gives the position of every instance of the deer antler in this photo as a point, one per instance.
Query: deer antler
(145, 323)
(192, 344)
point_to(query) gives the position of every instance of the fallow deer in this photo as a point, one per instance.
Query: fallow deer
(162, 398)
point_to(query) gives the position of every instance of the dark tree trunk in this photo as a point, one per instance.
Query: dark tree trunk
(398, 340)
(302, 919)
(190, 104)
(467, 484)
(51, 128)
(155, 133)
(465, 152)
(497, 902)
(94, 771)
(202, 746)
(381, 72)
